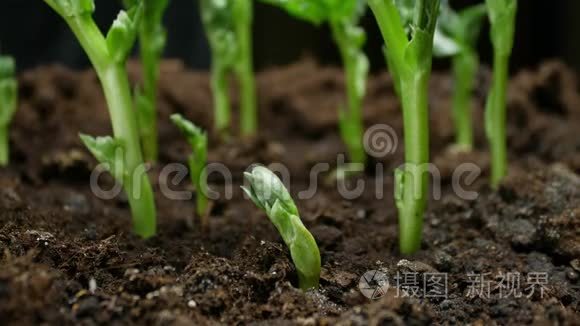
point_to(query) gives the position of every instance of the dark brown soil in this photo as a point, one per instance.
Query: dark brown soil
(70, 258)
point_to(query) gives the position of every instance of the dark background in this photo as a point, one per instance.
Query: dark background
(35, 35)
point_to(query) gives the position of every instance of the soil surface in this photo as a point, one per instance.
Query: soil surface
(68, 257)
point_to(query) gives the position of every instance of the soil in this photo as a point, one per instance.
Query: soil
(68, 257)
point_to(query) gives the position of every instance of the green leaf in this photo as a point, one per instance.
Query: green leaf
(458, 31)
(110, 152)
(419, 52)
(444, 45)
(194, 135)
(72, 8)
(122, 34)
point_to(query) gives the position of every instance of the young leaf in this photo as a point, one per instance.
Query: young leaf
(110, 152)
(122, 34)
(269, 193)
(197, 139)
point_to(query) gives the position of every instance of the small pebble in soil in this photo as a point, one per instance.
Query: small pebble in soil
(443, 261)
(572, 275)
(416, 266)
(86, 307)
(575, 264)
(191, 304)
(92, 285)
(76, 203)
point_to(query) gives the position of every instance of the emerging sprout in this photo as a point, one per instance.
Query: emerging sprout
(152, 39)
(121, 154)
(269, 194)
(502, 14)
(197, 139)
(8, 103)
(409, 61)
(228, 27)
(343, 17)
(456, 36)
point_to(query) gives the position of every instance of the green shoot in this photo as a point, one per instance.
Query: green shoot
(456, 37)
(8, 103)
(197, 139)
(343, 17)
(228, 26)
(152, 39)
(502, 14)
(269, 193)
(121, 154)
(410, 62)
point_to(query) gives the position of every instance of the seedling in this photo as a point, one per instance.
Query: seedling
(152, 39)
(502, 14)
(269, 193)
(8, 103)
(456, 37)
(121, 154)
(228, 25)
(197, 139)
(343, 17)
(409, 61)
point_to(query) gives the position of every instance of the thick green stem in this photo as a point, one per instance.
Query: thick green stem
(465, 70)
(245, 72)
(219, 84)
(150, 63)
(411, 195)
(117, 93)
(4, 146)
(115, 83)
(496, 119)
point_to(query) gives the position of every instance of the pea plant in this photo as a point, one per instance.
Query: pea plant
(197, 161)
(228, 27)
(343, 17)
(269, 193)
(410, 61)
(108, 54)
(8, 103)
(502, 14)
(152, 39)
(456, 37)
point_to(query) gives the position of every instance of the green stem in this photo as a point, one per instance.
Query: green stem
(196, 169)
(245, 72)
(117, 93)
(4, 146)
(496, 119)
(115, 83)
(413, 186)
(219, 84)
(351, 116)
(150, 63)
(465, 70)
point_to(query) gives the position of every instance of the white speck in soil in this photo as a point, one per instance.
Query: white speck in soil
(92, 285)
(191, 304)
